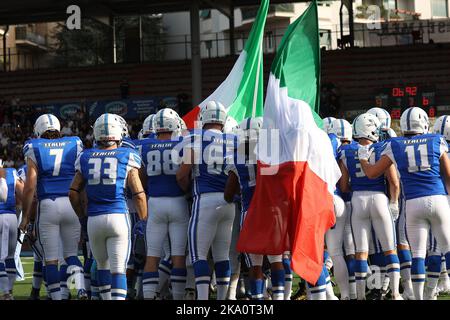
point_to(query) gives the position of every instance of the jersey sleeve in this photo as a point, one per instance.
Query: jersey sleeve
(387, 151)
(28, 152)
(134, 160)
(80, 146)
(22, 174)
(78, 162)
(443, 147)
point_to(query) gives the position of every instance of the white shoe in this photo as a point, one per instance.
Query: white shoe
(429, 293)
(407, 296)
(397, 297)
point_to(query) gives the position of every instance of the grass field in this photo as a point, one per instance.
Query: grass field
(22, 288)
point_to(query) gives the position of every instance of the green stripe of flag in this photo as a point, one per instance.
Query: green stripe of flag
(297, 62)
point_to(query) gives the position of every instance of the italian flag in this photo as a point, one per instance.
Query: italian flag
(242, 92)
(292, 206)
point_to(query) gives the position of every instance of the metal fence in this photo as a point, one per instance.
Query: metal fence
(169, 48)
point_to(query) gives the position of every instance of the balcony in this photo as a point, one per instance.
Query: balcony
(29, 39)
(288, 9)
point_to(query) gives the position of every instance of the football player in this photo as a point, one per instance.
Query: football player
(241, 170)
(211, 222)
(423, 164)
(8, 230)
(370, 205)
(3, 186)
(168, 208)
(340, 129)
(50, 168)
(344, 131)
(103, 173)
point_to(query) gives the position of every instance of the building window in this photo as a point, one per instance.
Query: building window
(439, 8)
(270, 42)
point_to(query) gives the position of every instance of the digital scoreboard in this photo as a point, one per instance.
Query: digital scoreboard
(399, 98)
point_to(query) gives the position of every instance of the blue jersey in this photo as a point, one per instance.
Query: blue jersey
(346, 196)
(245, 170)
(210, 149)
(358, 179)
(10, 205)
(105, 173)
(128, 143)
(55, 161)
(161, 163)
(22, 173)
(417, 160)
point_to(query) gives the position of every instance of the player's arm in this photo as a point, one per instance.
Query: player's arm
(445, 169)
(184, 172)
(3, 186)
(344, 181)
(231, 188)
(394, 183)
(373, 171)
(28, 193)
(19, 194)
(77, 195)
(139, 197)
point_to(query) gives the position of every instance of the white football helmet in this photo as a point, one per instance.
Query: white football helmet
(366, 126)
(327, 123)
(230, 126)
(108, 127)
(148, 125)
(251, 127)
(213, 112)
(442, 127)
(342, 129)
(383, 116)
(166, 120)
(124, 124)
(46, 122)
(414, 121)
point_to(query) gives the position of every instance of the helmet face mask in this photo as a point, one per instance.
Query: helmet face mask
(414, 121)
(46, 122)
(366, 126)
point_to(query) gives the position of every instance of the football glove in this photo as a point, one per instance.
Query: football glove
(393, 207)
(364, 152)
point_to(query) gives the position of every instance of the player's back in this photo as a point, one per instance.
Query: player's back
(105, 173)
(55, 161)
(418, 162)
(161, 164)
(10, 205)
(358, 180)
(211, 148)
(245, 169)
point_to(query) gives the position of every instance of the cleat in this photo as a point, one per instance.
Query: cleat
(34, 294)
(82, 295)
(189, 294)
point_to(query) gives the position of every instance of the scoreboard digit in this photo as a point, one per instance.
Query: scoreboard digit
(399, 98)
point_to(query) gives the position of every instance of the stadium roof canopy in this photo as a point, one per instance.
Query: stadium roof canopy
(27, 11)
